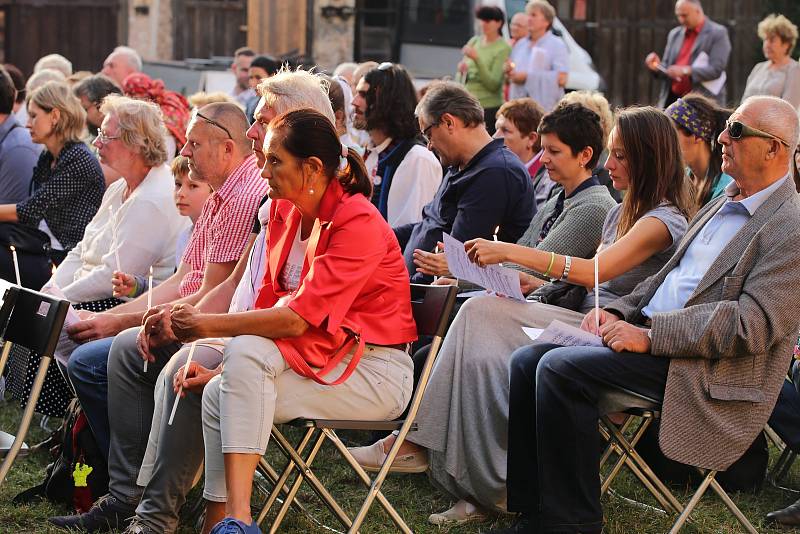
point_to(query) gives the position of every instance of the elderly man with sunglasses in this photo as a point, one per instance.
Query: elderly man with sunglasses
(710, 336)
(220, 154)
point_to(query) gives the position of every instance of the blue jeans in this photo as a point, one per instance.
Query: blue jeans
(553, 444)
(88, 371)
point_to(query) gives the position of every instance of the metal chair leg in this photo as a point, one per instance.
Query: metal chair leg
(732, 506)
(678, 525)
(281, 482)
(642, 465)
(305, 472)
(622, 460)
(270, 474)
(313, 481)
(384, 502)
(27, 415)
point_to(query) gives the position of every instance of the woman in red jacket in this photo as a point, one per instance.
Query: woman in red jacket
(334, 310)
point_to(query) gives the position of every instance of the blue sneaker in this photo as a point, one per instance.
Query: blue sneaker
(230, 525)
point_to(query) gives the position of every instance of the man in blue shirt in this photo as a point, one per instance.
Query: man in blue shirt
(709, 337)
(18, 154)
(486, 186)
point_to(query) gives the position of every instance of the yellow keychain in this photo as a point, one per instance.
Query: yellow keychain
(80, 474)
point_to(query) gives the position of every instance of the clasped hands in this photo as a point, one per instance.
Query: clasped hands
(178, 322)
(618, 335)
(167, 323)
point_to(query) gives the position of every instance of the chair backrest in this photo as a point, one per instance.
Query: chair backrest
(9, 296)
(35, 321)
(431, 307)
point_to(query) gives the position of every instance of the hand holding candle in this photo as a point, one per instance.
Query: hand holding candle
(180, 389)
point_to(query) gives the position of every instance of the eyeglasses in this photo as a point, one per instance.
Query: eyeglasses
(105, 138)
(427, 131)
(215, 123)
(737, 130)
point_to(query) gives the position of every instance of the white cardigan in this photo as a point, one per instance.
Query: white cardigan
(147, 226)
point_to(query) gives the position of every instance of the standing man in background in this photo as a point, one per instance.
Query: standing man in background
(240, 67)
(695, 57)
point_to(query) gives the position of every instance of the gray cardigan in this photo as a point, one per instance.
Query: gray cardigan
(577, 231)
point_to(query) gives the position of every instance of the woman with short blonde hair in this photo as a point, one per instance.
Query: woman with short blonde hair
(141, 126)
(779, 75)
(67, 184)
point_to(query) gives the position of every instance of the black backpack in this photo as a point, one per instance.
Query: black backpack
(79, 475)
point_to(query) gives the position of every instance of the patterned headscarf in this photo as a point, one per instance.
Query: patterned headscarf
(685, 115)
(174, 106)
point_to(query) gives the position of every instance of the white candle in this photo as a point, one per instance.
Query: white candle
(16, 263)
(180, 389)
(596, 296)
(149, 299)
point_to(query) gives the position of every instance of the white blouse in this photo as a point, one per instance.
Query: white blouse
(142, 230)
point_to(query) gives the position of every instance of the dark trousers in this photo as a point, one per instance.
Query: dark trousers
(553, 446)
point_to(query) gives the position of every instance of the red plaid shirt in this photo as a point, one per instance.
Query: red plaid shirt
(221, 231)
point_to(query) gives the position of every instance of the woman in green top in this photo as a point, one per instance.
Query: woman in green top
(481, 70)
(699, 121)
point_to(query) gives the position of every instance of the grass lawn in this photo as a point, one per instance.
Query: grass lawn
(413, 496)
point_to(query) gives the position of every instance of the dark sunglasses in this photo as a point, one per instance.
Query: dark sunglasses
(737, 130)
(215, 123)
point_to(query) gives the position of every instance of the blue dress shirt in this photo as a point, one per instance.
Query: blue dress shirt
(681, 282)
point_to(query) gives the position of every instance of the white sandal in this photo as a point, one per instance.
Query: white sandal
(371, 458)
(461, 512)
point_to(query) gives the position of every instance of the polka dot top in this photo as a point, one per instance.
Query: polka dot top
(67, 195)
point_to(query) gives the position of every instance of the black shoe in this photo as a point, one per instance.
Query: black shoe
(789, 516)
(137, 526)
(106, 514)
(523, 525)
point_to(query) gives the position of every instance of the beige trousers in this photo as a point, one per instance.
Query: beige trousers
(257, 388)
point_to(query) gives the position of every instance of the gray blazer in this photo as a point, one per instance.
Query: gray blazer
(730, 345)
(713, 40)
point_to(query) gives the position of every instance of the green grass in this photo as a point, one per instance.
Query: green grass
(412, 495)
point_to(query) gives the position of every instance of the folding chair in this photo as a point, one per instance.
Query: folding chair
(34, 322)
(431, 306)
(636, 405)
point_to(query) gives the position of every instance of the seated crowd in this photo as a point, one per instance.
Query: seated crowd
(276, 252)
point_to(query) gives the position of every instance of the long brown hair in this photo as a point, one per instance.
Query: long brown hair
(307, 133)
(655, 165)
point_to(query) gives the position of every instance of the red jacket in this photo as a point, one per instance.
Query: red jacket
(354, 287)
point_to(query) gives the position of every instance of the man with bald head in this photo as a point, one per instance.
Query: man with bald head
(107, 371)
(697, 51)
(122, 62)
(709, 336)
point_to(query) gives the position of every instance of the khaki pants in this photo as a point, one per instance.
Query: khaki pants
(257, 388)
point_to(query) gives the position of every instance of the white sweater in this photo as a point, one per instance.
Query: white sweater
(143, 230)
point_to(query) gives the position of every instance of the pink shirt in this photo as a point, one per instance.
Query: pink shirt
(221, 231)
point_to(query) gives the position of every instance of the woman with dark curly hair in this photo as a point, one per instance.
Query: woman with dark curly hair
(405, 174)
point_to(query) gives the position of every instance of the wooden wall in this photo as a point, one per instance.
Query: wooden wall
(620, 33)
(84, 31)
(205, 28)
(278, 27)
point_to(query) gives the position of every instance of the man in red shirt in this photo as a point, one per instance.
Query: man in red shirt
(695, 57)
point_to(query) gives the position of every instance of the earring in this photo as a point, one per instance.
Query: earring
(310, 191)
